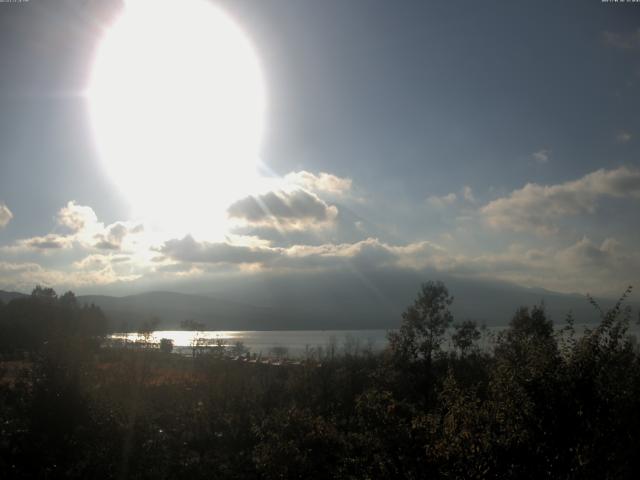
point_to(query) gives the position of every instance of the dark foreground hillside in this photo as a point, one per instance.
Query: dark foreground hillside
(536, 405)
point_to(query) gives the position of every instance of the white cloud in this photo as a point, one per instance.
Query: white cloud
(46, 242)
(99, 261)
(99, 269)
(442, 201)
(538, 208)
(83, 236)
(5, 215)
(76, 217)
(82, 229)
(365, 254)
(24, 276)
(296, 209)
(189, 250)
(467, 194)
(541, 156)
(113, 236)
(583, 266)
(323, 182)
(92, 270)
(586, 254)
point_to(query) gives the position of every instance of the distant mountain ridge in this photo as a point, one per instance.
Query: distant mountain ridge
(170, 308)
(376, 299)
(312, 302)
(6, 297)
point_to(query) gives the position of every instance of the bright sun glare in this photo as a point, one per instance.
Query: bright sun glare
(177, 102)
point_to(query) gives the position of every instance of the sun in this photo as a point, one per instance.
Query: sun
(177, 102)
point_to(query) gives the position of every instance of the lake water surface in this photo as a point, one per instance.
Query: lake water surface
(296, 342)
(300, 342)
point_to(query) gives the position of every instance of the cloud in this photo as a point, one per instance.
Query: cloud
(347, 227)
(82, 229)
(366, 254)
(100, 269)
(623, 137)
(288, 210)
(76, 217)
(24, 276)
(189, 250)
(99, 261)
(625, 41)
(112, 238)
(442, 201)
(538, 208)
(43, 244)
(5, 215)
(467, 194)
(585, 265)
(323, 182)
(541, 156)
(582, 266)
(47, 242)
(103, 255)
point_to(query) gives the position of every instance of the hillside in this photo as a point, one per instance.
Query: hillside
(310, 302)
(6, 297)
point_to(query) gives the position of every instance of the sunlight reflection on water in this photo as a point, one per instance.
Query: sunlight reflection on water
(297, 342)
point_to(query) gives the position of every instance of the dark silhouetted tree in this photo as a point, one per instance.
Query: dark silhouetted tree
(69, 299)
(166, 345)
(44, 294)
(147, 328)
(424, 323)
(466, 336)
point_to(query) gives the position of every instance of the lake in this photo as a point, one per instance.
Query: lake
(296, 342)
(299, 342)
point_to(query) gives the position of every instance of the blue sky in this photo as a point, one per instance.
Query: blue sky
(496, 140)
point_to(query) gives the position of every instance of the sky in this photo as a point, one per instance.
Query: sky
(496, 141)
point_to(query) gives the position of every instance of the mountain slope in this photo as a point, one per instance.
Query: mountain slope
(348, 300)
(171, 308)
(6, 297)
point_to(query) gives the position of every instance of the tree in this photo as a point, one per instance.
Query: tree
(424, 323)
(166, 345)
(527, 357)
(69, 299)
(465, 336)
(239, 349)
(147, 328)
(531, 324)
(46, 294)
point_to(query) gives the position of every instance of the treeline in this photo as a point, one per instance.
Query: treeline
(27, 323)
(539, 404)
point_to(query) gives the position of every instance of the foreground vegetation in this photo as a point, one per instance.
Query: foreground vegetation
(539, 404)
